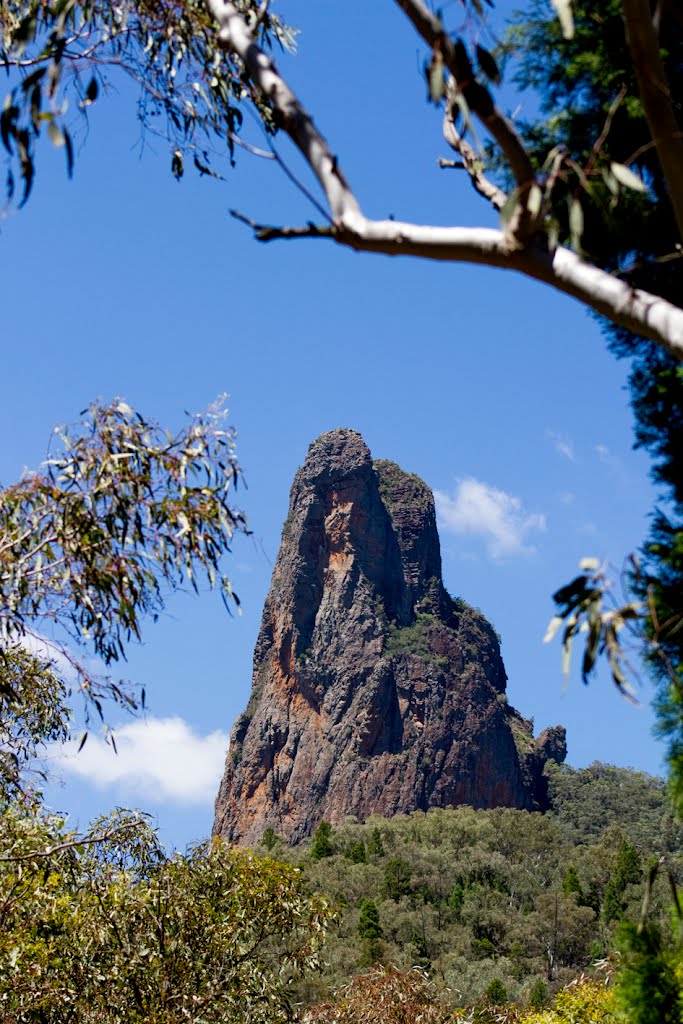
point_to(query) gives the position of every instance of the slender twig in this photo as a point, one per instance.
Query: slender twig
(268, 233)
(470, 160)
(300, 185)
(600, 141)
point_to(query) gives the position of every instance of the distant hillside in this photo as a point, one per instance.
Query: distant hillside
(589, 800)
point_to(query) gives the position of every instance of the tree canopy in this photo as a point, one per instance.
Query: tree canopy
(107, 927)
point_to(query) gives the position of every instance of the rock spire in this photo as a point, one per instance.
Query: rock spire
(374, 692)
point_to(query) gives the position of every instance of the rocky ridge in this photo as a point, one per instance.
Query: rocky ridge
(374, 691)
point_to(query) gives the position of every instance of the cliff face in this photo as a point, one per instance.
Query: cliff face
(374, 692)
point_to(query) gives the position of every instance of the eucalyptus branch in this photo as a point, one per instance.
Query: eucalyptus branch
(270, 232)
(236, 37)
(639, 311)
(515, 249)
(600, 141)
(477, 96)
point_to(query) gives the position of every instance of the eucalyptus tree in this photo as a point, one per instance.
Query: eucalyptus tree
(120, 513)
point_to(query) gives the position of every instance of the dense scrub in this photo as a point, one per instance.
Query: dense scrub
(500, 904)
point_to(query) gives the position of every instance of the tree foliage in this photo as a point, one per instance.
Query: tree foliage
(383, 996)
(65, 54)
(587, 801)
(401, 997)
(322, 841)
(627, 871)
(33, 711)
(106, 927)
(648, 989)
(474, 896)
(120, 513)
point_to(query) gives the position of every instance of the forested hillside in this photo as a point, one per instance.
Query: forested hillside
(504, 905)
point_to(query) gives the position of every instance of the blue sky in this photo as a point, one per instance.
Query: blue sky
(495, 390)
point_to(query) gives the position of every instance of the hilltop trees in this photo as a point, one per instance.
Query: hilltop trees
(475, 896)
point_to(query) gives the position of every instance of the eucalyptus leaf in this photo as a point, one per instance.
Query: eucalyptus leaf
(628, 178)
(534, 200)
(436, 80)
(488, 64)
(576, 222)
(553, 627)
(55, 133)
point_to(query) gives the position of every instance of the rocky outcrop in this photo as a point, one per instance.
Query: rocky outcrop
(374, 692)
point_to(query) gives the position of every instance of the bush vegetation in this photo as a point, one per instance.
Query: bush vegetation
(495, 902)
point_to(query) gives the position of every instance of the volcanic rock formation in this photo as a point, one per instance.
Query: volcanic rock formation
(374, 691)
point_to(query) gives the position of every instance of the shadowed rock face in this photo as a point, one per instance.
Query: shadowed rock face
(374, 692)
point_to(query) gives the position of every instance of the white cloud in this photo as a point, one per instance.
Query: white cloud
(562, 445)
(607, 457)
(485, 511)
(158, 757)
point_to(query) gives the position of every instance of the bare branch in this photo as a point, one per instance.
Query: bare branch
(656, 98)
(477, 96)
(602, 137)
(640, 312)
